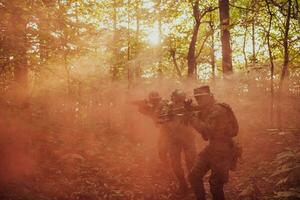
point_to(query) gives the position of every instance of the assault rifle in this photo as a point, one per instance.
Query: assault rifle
(139, 102)
(144, 106)
(185, 113)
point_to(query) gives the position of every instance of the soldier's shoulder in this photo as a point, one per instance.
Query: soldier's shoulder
(223, 104)
(221, 107)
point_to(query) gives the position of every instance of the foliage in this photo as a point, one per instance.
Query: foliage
(287, 175)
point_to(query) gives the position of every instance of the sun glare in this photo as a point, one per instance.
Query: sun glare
(153, 38)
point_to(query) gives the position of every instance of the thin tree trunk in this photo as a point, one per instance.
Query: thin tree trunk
(191, 53)
(272, 72)
(212, 48)
(114, 69)
(253, 43)
(271, 66)
(192, 47)
(19, 38)
(159, 20)
(128, 45)
(225, 36)
(68, 73)
(173, 55)
(137, 69)
(201, 47)
(244, 49)
(160, 34)
(285, 61)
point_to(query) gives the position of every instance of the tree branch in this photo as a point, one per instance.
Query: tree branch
(242, 8)
(173, 55)
(202, 45)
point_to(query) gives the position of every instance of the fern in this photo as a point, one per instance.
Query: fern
(287, 175)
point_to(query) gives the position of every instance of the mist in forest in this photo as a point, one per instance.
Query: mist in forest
(70, 70)
(56, 134)
(85, 122)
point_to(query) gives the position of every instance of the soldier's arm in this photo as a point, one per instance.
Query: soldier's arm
(143, 107)
(200, 126)
(208, 126)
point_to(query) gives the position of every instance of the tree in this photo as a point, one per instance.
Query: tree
(15, 41)
(198, 16)
(225, 36)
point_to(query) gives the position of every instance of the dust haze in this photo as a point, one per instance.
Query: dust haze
(76, 135)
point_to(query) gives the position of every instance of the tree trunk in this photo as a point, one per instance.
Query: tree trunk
(253, 43)
(286, 44)
(19, 38)
(191, 57)
(271, 66)
(137, 69)
(67, 72)
(191, 53)
(212, 48)
(285, 61)
(114, 68)
(225, 36)
(244, 49)
(160, 34)
(173, 55)
(129, 76)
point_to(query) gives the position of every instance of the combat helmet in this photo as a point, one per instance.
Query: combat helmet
(178, 95)
(154, 97)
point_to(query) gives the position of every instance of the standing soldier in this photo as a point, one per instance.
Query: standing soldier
(218, 125)
(181, 139)
(152, 107)
(175, 137)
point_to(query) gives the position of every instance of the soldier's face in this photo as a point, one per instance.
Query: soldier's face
(203, 100)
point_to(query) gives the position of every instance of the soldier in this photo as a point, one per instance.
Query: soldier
(157, 103)
(218, 125)
(181, 139)
(152, 107)
(175, 137)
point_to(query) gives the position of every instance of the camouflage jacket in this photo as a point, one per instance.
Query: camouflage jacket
(214, 123)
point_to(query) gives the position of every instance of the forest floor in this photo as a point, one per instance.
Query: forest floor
(103, 164)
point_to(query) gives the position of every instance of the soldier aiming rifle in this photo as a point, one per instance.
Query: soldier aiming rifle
(217, 124)
(183, 113)
(175, 137)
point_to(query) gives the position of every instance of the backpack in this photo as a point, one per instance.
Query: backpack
(234, 126)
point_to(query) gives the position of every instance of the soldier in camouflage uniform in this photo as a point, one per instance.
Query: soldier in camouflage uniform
(155, 104)
(181, 139)
(152, 107)
(174, 137)
(215, 125)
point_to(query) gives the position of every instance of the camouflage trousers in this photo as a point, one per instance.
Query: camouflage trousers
(216, 157)
(172, 149)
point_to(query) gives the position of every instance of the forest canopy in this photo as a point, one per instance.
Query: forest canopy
(129, 40)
